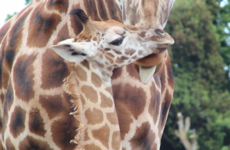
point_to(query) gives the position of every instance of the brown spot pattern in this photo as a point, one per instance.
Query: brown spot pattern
(9, 58)
(90, 93)
(129, 101)
(141, 134)
(143, 138)
(91, 9)
(94, 116)
(142, 34)
(81, 74)
(118, 52)
(140, 52)
(130, 52)
(165, 109)
(9, 145)
(17, 122)
(85, 64)
(23, 77)
(5, 68)
(113, 12)
(155, 103)
(92, 146)
(36, 123)
(169, 72)
(15, 33)
(33, 144)
(42, 24)
(116, 73)
(102, 135)
(9, 97)
(62, 35)
(106, 101)
(112, 118)
(109, 57)
(63, 131)
(116, 140)
(102, 11)
(132, 72)
(96, 80)
(1, 65)
(54, 105)
(109, 90)
(124, 117)
(54, 70)
(124, 58)
(59, 5)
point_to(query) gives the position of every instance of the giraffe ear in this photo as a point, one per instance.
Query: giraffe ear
(69, 51)
(81, 15)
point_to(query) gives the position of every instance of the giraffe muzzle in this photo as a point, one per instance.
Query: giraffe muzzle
(162, 48)
(147, 70)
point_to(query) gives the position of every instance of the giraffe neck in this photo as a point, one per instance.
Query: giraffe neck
(140, 12)
(94, 108)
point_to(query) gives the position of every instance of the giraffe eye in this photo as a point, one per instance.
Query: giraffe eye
(118, 41)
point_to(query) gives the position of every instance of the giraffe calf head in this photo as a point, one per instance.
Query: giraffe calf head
(111, 43)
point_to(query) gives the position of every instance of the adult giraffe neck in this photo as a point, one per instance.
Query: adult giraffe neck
(145, 13)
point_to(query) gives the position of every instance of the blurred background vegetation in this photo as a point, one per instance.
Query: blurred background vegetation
(201, 62)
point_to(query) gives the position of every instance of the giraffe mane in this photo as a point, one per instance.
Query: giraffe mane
(71, 87)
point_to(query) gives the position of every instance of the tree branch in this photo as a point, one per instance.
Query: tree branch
(183, 129)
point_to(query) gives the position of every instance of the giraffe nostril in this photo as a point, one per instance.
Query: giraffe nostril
(159, 32)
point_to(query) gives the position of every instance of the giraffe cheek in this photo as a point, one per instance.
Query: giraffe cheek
(130, 52)
(119, 61)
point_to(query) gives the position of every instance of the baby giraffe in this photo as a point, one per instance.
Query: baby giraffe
(96, 51)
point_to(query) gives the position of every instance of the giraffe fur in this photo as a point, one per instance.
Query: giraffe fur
(31, 89)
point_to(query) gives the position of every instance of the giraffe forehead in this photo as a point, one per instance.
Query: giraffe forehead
(113, 26)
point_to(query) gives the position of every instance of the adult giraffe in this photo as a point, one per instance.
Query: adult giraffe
(34, 107)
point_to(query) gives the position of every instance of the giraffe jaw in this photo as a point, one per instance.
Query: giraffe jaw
(146, 73)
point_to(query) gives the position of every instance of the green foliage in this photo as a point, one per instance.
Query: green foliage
(200, 81)
(28, 2)
(226, 148)
(8, 17)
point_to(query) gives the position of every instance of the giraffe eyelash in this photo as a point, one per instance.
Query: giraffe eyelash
(118, 41)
